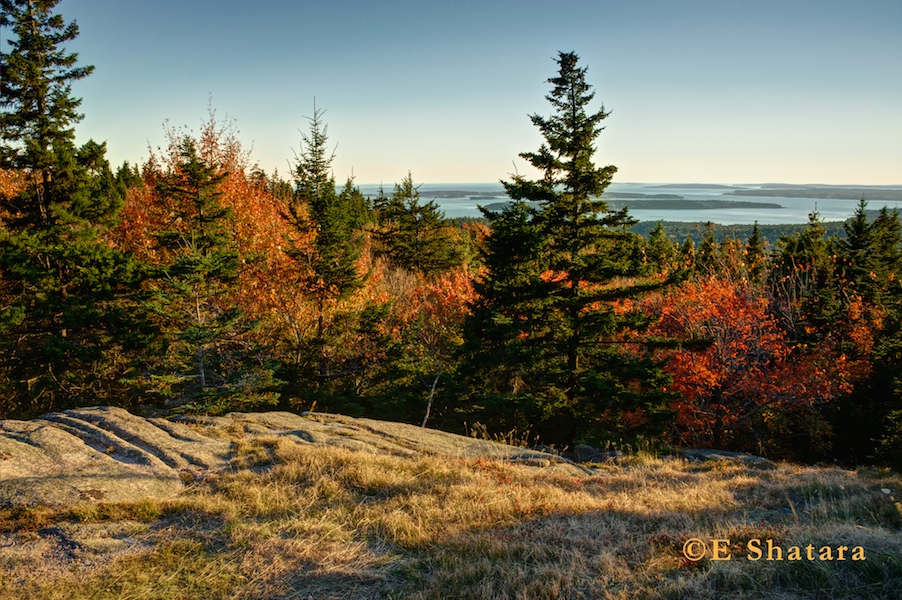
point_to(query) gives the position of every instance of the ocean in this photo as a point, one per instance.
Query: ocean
(464, 199)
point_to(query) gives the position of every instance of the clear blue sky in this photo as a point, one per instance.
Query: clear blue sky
(700, 90)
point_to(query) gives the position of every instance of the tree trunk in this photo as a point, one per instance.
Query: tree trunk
(201, 373)
(719, 415)
(431, 396)
(573, 342)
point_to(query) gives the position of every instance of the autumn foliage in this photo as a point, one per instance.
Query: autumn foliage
(750, 386)
(198, 282)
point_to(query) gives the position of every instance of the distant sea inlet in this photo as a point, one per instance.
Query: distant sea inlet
(739, 204)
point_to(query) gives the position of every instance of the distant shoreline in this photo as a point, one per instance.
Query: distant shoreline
(676, 203)
(834, 193)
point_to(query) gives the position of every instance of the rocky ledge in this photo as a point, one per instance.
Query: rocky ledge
(105, 454)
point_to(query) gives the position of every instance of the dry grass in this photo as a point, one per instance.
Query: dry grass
(299, 521)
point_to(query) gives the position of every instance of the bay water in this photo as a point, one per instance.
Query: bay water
(463, 200)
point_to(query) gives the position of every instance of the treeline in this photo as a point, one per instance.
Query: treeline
(196, 282)
(771, 234)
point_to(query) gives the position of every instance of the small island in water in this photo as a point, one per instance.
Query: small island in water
(672, 202)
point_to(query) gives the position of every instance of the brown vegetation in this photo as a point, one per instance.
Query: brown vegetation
(289, 520)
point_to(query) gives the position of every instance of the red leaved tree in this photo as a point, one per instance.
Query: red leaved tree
(750, 388)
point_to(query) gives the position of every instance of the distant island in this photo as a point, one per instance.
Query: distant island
(695, 186)
(633, 195)
(435, 194)
(675, 203)
(684, 204)
(857, 186)
(835, 193)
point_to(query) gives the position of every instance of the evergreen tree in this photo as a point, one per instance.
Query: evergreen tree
(356, 206)
(708, 254)
(129, 176)
(858, 262)
(329, 268)
(316, 208)
(583, 383)
(39, 112)
(506, 337)
(416, 236)
(755, 255)
(803, 281)
(64, 319)
(659, 249)
(868, 421)
(280, 189)
(886, 237)
(887, 230)
(200, 267)
(688, 252)
(314, 183)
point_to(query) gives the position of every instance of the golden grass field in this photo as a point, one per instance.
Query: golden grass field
(301, 521)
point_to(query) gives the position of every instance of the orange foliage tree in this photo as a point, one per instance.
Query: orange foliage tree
(256, 229)
(425, 331)
(750, 387)
(397, 330)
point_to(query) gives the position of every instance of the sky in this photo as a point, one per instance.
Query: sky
(714, 91)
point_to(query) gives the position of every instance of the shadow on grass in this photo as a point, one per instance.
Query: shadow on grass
(332, 523)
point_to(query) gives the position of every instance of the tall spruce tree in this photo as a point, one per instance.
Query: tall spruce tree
(707, 256)
(858, 265)
(557, 316)
(886, 374)
(317, 208)
(803, 282)
(62, 318)
(755, 255)
(357, 207)
(39, 112)
(331, 266)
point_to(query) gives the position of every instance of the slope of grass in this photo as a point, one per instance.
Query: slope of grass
(300, 521)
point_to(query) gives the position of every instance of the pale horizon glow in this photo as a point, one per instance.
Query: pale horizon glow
(713, 91)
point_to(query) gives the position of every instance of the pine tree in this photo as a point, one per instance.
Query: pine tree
(804, 282)
(885, 255)
(209, 231)
(63, 318)
(355, 205)
(314, 183)
(415, 236)
(869, 281)
(39, 111)
(583, 383)
(660, 251)
(688, 252)
(317, 208)
(888, 241)
(858, 263)
(708, 254)
(505, 338)
(200, 267)
(330, 271)
(755, 255)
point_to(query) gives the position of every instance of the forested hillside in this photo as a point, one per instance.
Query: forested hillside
(196, 282)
